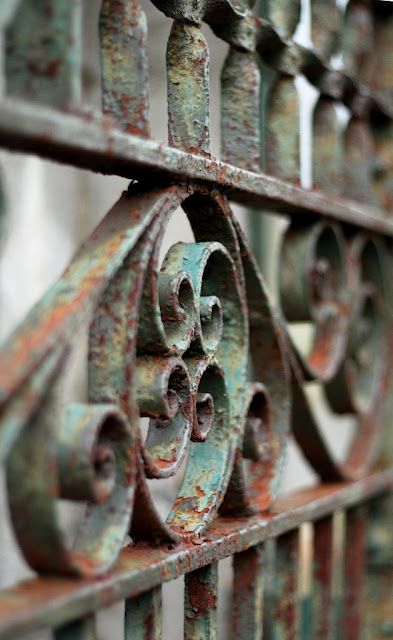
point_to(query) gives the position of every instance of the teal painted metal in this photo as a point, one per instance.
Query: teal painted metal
(194, 343)
(143, 616)
(144, 566)
(124, 65)
(188, 89)
(200, 603)
(43, 52)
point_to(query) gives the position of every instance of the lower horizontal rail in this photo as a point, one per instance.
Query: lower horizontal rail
(52, 602)
(88, 140)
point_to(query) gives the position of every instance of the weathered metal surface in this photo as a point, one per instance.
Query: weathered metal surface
(282, 146)
(338, 573)
(315, 288)
(357, 39)
(200, 603)
(124, 65)
(43, 52)
(378, 594)
(52, 601)
(350, 356)
(248, 581)
(284, 15)
(383, 56)
(100, 471)
(188, 89)
(324, 27)
(240, 110)
(327, 147)
(284, 622)
(194, 342)
(322, 614)
(354, 572)
(143, 616)
(208, 356)
(359, 153)
(87, 142)
(383, 167)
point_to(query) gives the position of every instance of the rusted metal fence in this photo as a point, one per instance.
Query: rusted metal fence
(195, 343)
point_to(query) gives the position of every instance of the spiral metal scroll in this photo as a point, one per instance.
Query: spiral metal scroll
(195, 345)
(338, 284)
(169, 342)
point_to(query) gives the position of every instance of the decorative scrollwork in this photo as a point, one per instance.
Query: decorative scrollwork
(89, 458)
(339, 284)
(315, 288)
(169, 342)
(195, 345)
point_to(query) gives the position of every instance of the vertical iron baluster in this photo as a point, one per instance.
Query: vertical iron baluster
(43, 52)
(240, 97)
(269, 587)
(322, 583)
(356, 45)
(240, 109)
(306, 555)
(354, 566)
(327, 142)
(284, 15)
(327, 147)
(382, 77)
(83, 629)
(338, 574)
(383, 164)
(356, 42)
(324, 26)
(382, 80)
(200, 603)
(143, 616)
(358, 160)
(124, 65)
(284, 623)
(247, 615)
(379, 582)
(282, 147)
(188, 88)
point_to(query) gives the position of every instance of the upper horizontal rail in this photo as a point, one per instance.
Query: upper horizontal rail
(90, 141)
(46, 601)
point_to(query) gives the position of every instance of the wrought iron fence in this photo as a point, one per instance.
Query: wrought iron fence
(196, 344)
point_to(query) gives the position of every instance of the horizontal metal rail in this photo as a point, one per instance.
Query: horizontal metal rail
(90, 141)
(52, 601)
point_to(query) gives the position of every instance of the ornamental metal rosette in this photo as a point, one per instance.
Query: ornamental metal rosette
(171, 343)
